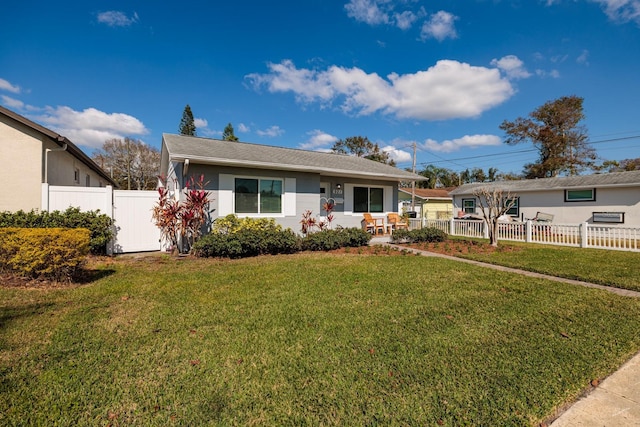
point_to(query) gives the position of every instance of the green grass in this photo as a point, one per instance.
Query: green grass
(620, 269)
(307, 339)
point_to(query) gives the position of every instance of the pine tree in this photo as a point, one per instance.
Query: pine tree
(187, 124)
(227, 133)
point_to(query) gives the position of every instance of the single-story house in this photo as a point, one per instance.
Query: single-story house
(429, 203)
(253, 180)
(608, 198)
(33, 155)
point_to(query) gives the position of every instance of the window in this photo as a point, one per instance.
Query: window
(76, 176)
(611, 217)
(87, 181)
(588, 195)
(259, 196)
(368, 199)
(515, 209)
(469, 206)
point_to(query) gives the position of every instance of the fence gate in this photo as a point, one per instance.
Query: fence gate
(132, 213)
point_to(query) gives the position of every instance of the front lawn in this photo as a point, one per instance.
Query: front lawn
(306, 339)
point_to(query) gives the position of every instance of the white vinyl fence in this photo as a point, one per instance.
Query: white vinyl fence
(131, 211)
(582, 235)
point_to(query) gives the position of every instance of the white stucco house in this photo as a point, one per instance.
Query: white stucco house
(253, 180)
(33, 155)
(608, 198)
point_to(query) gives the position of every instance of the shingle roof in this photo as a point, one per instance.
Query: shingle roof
(616, 179)
(242, 154)
(428, 193)
(60, 140)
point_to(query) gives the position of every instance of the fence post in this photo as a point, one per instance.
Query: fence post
(485, 229)
(452, 227)
(528, 233)
(44, 198)
(584, 235)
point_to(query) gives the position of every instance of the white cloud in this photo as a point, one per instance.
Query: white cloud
(200, 123)
(405, 20)
(583, 58)
(398, 155)
(6, 86)
(512, 66)
(447, 90)
(12, 103)
(271, 132)
(367, 11)
(318, 141)
(440, 26)
(114, 18)
(91, 127)
(554, 74)
(243, 128)
(621, 11)
(467, 141)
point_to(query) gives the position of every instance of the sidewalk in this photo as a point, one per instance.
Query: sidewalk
(615, 402)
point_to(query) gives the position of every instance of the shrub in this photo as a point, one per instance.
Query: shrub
(99, 225)
(232, 224)
(327, 240)
(54, 253)
(422, 235)
(247, 242)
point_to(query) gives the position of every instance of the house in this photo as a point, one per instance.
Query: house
(33, 155)
(252, 180)
(609, 198)
(429, 203)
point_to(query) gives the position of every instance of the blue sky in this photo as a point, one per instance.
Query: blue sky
(301, 74)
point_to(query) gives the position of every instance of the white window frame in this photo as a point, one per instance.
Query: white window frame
(226, 196)
(464, 208)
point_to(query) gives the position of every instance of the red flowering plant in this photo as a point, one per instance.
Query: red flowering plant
(181, 223)
(310, 223)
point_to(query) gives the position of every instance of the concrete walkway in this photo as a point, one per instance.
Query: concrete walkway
(614, 402)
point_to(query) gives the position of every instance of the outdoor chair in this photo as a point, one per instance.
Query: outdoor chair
(372, 225)
(396, 222)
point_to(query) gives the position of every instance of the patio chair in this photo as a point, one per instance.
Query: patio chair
(396, 222)
(372, 225)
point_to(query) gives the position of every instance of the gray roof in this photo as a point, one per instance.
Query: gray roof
(241, 154)
(616, 179)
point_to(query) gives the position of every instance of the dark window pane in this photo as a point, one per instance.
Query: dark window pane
(246, 195)
(360, 199)
(270, 196)
(376, 201)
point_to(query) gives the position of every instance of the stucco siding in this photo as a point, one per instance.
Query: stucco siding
(21, 172)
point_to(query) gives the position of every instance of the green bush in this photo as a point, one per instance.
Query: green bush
(327, 240)
(231, 224)
(99, 225)
(247, 242)
(422, 235)
(54, 253)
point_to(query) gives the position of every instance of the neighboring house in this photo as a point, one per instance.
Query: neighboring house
(429, 203)
(253, 180)
(32, 155)
(608, 198)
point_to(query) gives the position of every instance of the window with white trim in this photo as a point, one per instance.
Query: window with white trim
(469, 206)
(586, 195)
(76, 175)
(368, 199)
(87, 181)
(514, 210)
(258, 195)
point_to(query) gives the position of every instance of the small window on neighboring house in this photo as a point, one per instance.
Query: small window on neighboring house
(588, 195)
(76, 176)
(515, 209)
(469, 206)
(87, 181)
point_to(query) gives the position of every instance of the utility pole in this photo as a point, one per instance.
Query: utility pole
(413, 183)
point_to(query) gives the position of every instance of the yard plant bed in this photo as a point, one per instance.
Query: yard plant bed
(311, 338)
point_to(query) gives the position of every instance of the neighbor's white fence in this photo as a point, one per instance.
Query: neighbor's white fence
(583, 235)
(131, 211)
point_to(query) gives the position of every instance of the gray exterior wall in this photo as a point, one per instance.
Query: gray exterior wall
(307, 192)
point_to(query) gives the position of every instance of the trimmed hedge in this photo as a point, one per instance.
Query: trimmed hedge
(247, 242)
(52, 253)
(421, 235)
(327, 240)
(99, 225)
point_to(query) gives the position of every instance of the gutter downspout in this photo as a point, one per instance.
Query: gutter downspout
(46, 159)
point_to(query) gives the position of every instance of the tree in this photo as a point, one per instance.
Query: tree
(187, 123)
(227, 133)
(131, 163)
(493, 204)
(361, 147)
(620, 166)
(438, 177)
(555, 130)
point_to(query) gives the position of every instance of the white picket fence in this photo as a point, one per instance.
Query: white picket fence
(582, 235)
